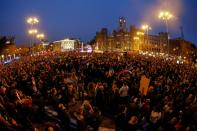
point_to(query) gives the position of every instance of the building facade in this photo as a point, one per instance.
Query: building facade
(66, 45)
(133, 40)
(181, 47)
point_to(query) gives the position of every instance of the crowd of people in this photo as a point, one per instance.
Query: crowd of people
(38, 93)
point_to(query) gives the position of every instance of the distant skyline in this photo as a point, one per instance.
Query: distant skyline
(82, 18)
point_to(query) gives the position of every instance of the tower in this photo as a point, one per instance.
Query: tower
(122, 24)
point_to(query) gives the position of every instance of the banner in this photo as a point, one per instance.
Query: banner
(144, 84)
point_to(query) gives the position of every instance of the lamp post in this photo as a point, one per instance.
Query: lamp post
(146, 28)
(166, 16)
(32, 32)
(41, 37)
(32, 21)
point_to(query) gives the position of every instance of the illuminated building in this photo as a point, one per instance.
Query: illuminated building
(65, 45)
(132, 40)
(156, 43)
(101, 39)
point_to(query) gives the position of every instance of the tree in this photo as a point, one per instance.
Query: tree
(2, 43)
(6, 44)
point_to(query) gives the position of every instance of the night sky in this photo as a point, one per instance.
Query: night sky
(82, 18)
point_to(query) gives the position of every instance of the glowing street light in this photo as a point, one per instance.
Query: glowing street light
(32, 20)
(33, 31)
(166, 16)
(1, 59)
(146, 28)
(40, 36)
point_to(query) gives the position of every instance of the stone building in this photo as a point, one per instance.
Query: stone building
(181, 47)
(66, 45)
(133, 40)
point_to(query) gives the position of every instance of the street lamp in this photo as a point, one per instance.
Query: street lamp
(40, 36)
(33, 31)
(166, 16)
(32, 21)
(2, 58)
(146, 28)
